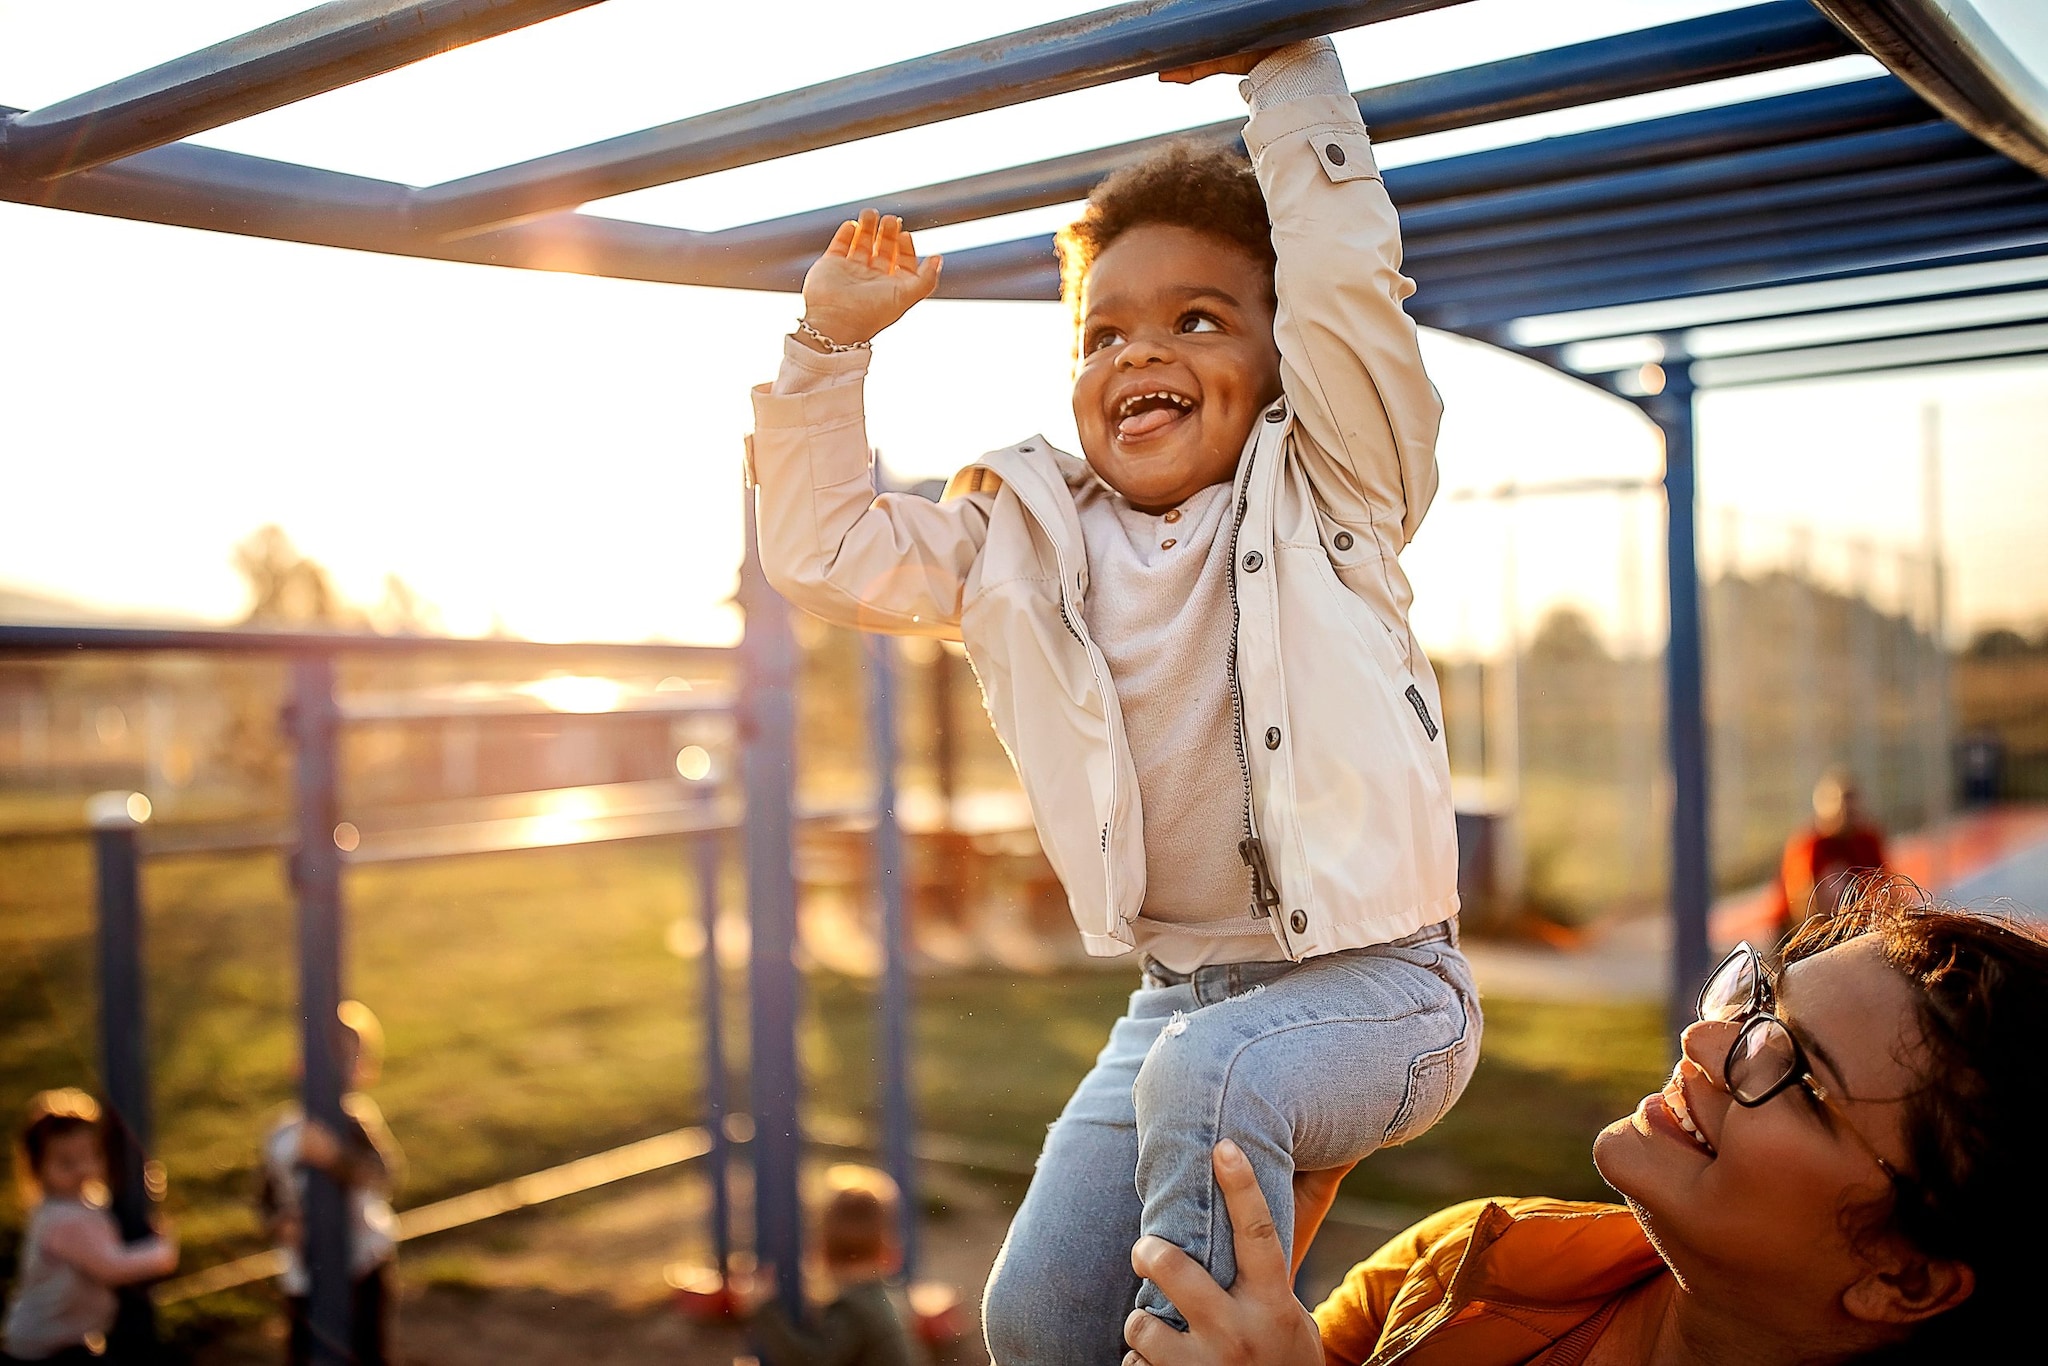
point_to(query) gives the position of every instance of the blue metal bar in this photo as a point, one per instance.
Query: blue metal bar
(1803, 297)
(1024, 268)
(1936, 346)
(1916, 366)
(1919, 241)
(704, 850)
(124, 1050)
(1912, 145)
(19, 639)
(186, 185)
(1691, 889)
(898, 1117)
(768, 769)
(1052, 59)
(1802, 116)
(314, 723)
(1759, 38)
(1738, 213)
(322, 49)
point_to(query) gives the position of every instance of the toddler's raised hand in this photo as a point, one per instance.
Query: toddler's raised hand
(867, 279)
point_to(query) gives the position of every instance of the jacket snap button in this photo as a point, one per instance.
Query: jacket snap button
(1272, 737)
(1343, 540)
(1335, 154)
(1299, 920)
(1252, 560)
(1276, 413)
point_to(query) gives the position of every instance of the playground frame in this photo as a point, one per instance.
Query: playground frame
(1813, 205)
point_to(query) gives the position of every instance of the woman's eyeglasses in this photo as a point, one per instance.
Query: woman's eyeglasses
(1765, 1057)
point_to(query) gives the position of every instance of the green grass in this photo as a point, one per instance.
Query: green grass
(534, 1014)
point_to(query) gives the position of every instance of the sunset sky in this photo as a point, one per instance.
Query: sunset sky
(560, 454)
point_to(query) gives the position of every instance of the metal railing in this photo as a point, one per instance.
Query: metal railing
(321, 843)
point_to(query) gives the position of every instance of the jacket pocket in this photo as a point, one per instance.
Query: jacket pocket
(1346, 154)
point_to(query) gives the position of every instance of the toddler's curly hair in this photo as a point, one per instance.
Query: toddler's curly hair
(1184, 184)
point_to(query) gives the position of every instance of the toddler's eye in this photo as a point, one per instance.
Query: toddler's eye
(1102, 337)
(1200, 322)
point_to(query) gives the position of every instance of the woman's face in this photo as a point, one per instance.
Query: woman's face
(1756, 1211)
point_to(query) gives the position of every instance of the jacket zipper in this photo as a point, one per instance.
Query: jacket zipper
(1265, 892)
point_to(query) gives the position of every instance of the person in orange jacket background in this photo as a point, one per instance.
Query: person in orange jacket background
(1821, 861)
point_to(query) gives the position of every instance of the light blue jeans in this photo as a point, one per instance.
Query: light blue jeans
(1306, 1065)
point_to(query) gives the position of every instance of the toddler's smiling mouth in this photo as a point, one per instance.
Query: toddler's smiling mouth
(1149, 413)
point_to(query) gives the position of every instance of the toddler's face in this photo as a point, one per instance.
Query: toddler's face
(1177, 362)
(70, 1164)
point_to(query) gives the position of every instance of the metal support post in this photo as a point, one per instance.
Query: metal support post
(897, 1117)
(704, 850)
(117, 819)
(1684, 700)
(313, 719)
(768, 765)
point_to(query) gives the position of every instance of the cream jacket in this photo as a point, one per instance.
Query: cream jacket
(1349, 837)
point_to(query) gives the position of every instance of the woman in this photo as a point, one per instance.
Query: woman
(1844, 1167)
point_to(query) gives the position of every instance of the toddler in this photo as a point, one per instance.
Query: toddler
(1195, 647)
(857, 1234)
(72, 1256)
(364, 1160)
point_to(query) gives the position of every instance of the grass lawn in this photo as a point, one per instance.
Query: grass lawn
(535, 1013)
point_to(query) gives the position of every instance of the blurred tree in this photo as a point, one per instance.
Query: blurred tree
(402, 611)
(285, 587)
(2002, 643)
(1566, 636)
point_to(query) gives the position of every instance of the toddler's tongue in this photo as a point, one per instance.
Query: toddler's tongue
(1145, 423)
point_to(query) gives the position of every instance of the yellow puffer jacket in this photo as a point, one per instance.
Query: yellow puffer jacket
(1489, 1283)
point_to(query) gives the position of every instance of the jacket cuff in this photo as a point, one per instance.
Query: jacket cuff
(813, 389)
(1295, 72)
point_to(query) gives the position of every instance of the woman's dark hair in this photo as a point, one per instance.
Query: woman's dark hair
(1185, 185)
(1978, 1184)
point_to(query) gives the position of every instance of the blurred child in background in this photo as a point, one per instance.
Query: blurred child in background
(365, 1161)
(72, 1256)
(861, 1327)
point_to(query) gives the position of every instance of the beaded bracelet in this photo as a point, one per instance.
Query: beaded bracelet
(803, 327)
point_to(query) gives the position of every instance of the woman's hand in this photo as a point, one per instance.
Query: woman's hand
(1239, 64)
(868, 278)
(1256, 1322)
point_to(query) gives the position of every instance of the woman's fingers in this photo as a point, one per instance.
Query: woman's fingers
(1261, 1258)
(1184, 1280)
(1154, 1341)
(842, 241)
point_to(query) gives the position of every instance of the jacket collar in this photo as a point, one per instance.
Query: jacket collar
(1527, 1282)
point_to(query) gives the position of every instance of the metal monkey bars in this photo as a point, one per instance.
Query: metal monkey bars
(1880, 223)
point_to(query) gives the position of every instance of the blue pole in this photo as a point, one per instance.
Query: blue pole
(768, 764)
(717, 1103)
(313, 719)
(898, 1120)
(1673, 410)
(116, 819)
